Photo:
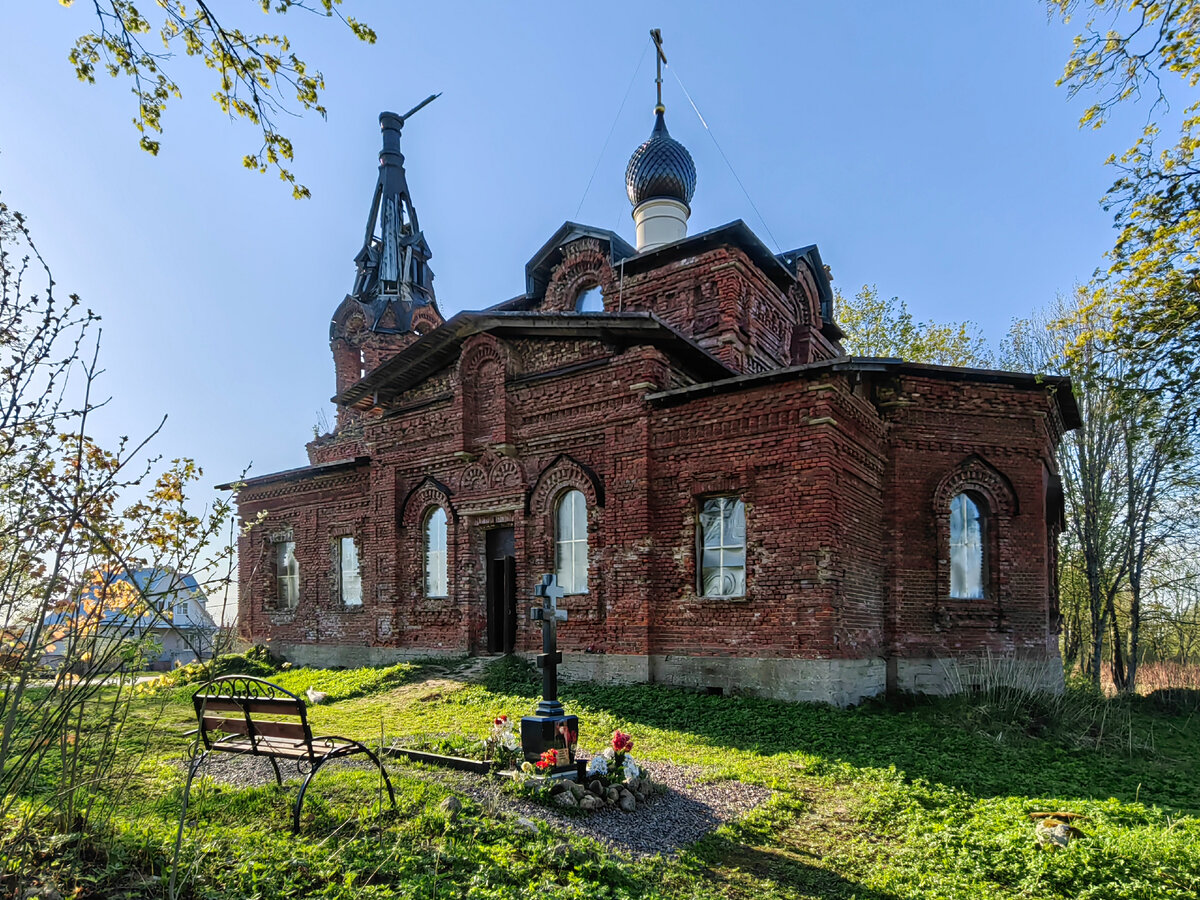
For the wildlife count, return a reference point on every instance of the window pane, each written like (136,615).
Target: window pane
(966,549)
(579,512)
(735,580)
(710,522)
(712,582)
(571,542)
(735,523)
(436,576)
(580,567)
(287,568)
(351,577)
(565,526)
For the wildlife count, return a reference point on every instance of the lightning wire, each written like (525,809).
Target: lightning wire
(732,171)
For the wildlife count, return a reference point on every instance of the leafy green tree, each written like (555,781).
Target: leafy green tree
(875,326)
(255,71)
(1129,479)
(1122,55)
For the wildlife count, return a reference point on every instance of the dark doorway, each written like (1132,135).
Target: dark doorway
(501,591)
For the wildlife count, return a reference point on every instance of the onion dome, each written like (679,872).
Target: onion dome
(661,167)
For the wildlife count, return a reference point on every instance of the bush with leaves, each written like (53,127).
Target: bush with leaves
(71,543)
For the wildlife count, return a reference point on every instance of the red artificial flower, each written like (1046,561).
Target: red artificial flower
(549,759)
(621,742)
(500,720)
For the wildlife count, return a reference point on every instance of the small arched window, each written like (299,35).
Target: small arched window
(590,300)
(435,554)
(571,542)
(966,548)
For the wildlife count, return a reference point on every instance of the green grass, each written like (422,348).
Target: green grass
(920,799)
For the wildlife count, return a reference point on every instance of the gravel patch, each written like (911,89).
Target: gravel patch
(244,770)
(683,810)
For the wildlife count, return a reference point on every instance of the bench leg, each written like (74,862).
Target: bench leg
(193,768)
(275,766)
(300,797)
(387,781)
(308,780)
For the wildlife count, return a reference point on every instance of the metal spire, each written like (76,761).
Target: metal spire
(393,264)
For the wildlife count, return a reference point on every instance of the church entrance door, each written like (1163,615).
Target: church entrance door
(501,591)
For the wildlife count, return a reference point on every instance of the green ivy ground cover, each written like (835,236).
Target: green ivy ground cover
(920,800)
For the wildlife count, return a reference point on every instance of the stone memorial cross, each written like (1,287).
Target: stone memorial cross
(550,615)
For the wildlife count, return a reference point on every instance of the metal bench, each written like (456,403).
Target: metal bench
(240,714)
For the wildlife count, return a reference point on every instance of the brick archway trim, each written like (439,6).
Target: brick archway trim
(977,474)
(427,492)
(564,470)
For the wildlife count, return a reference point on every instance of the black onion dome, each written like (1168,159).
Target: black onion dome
(661,167)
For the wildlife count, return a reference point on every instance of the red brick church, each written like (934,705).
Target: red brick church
(672,428)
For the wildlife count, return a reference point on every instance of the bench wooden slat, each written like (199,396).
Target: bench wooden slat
(283,749)
(280,706)
(262,727)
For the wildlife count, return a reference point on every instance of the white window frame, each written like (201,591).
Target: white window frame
(437,557)
(287,584)
(723,546)
(570,543)
(349,572)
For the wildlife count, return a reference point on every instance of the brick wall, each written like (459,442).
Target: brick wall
(846,477)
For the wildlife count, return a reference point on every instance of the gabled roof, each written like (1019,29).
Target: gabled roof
(737,233)
(538,269)
(162,588)
(440,347)
(1063,395)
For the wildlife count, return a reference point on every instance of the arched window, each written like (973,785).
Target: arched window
(571,542)
(966,548)
(435,554)
(590,300)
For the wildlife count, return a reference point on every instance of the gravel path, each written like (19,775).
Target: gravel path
(670,819)
(683,810)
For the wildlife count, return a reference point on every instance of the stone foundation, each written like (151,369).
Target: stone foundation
(945,676)
(841,682)
(351,656)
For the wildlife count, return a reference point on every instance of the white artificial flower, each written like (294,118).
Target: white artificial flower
(598,765)
(631,768)
(511,742)
(608,753)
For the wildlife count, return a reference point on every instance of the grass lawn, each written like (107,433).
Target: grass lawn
(924,799)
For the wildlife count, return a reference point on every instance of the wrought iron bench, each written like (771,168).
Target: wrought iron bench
(240,714)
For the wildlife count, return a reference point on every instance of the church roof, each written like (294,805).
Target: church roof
(783,269)
(298,474)
(440,347)
(660,167)
(1064,397)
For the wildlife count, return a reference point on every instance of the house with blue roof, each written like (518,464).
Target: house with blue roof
(172,610)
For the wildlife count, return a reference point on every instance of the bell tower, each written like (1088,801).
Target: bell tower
(392,301)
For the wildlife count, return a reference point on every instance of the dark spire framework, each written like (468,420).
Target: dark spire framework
(393,265)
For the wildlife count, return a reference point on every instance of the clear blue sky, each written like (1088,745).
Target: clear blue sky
(923,146)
